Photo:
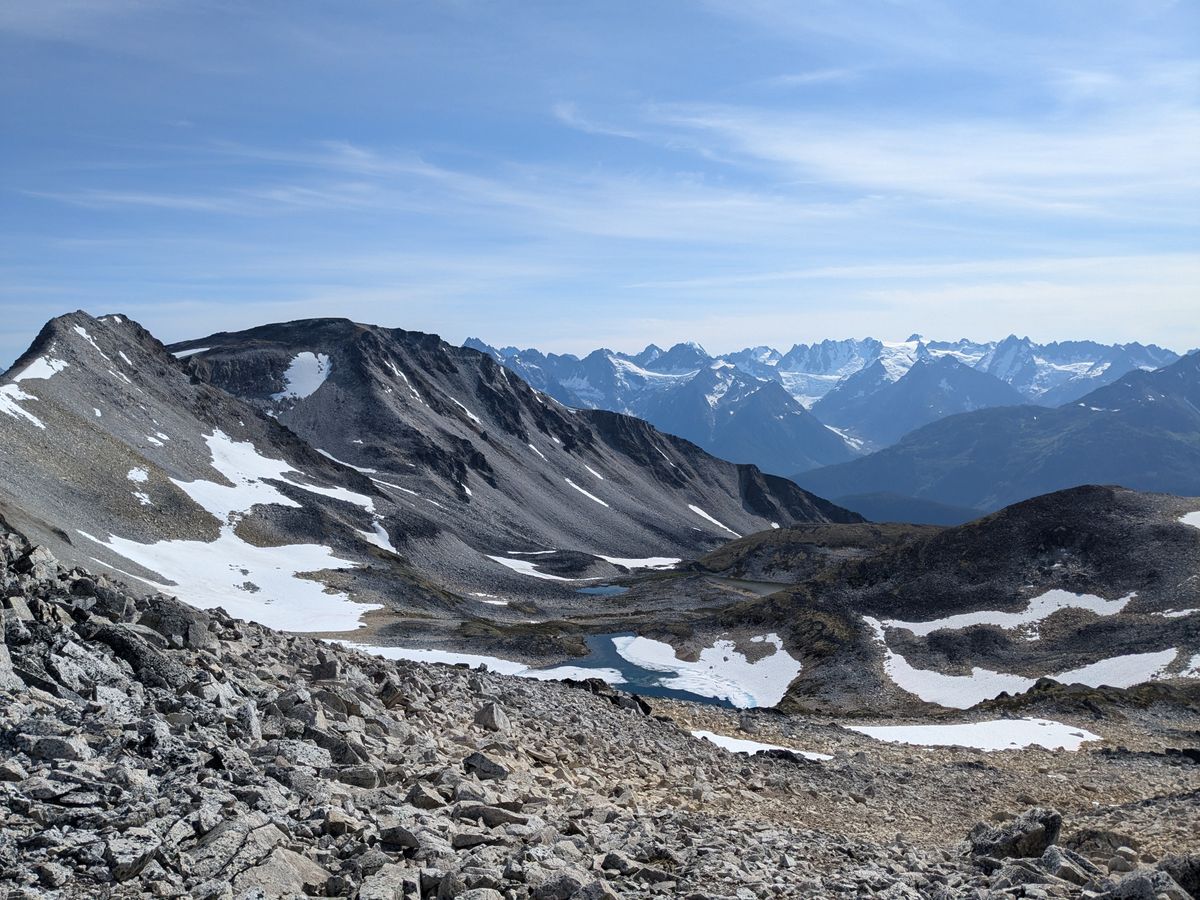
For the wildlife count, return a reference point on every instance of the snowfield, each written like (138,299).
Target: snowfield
(964,691)
(990,736)
(721,672)
(305,374)
(1038,610)
(739,745)
(525,567)
(494,663)
(702,514)
(264,584)
(650,562)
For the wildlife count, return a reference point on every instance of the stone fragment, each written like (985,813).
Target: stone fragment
(129,853)
(485,768)
(492,717)
(1028,835)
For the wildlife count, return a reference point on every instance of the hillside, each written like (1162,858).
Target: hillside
(367,472)
(151,749)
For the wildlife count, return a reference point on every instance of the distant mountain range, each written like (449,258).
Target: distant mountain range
(1141,431)
(846,397)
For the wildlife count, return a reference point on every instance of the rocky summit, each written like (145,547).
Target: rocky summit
(152,749)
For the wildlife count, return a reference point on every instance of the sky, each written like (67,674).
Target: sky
(584,174)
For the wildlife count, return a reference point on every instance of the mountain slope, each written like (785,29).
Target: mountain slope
(1094,585)
(879,410)
(114,453)
(1142,431)
(509,468)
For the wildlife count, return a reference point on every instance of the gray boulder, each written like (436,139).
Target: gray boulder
(1026,836)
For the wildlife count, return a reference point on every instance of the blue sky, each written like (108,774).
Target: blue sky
(568,175)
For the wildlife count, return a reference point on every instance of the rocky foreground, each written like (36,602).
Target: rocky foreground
(150,749)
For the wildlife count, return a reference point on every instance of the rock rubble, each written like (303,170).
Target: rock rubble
(148,749)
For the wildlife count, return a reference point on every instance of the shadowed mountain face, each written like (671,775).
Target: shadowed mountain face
(1142,431)
(353,462)
(512,468)
(878,411)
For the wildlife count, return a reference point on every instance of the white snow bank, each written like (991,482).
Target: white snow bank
(83,333)
(241,463)
(249,582)
(137,474)
(990,736)
(525,567)
(1120,671)
(10,397)
(964,691)
(702,514)
(721,672)
(306,372)
(594,472)
(379,537)
(538,452)
(494,663)
(41,368)
(342,462)
(1192,518)
(738,745)
(590,496)
(1037,610)
(185,353)
(470,415)
(649,562)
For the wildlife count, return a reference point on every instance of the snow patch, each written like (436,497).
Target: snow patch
(989,736)
(702,514)
(1036,611)
(257,583)
(379,537)
(10,397)
(587,494)
(525,567)
(137,474)
(494,663)
(304,375)
(594,472)
(470,415)
(341,462)
(182,354)
(539,453)
(649,562)
(721,672)
(41,368)
(964,691)
(739,745)
(82,332)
